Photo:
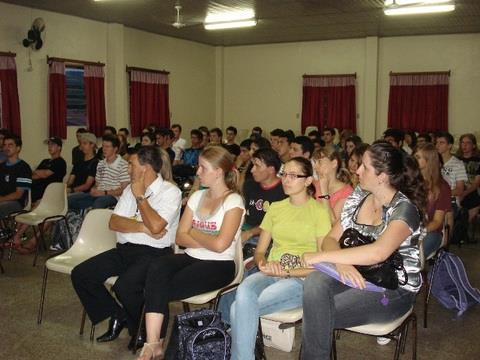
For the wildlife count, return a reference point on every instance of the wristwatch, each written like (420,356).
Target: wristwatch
(140,198)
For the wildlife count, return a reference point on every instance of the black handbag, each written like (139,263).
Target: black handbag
(383,274)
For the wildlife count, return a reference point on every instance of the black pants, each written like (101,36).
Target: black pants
(181,276)
(130,263)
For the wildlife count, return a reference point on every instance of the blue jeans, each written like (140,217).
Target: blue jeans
(259,295)
(431,243)
(81,201)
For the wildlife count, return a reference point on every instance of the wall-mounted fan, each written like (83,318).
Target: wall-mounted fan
(34,38)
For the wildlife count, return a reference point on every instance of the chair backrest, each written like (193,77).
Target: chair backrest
(28,205)
(95,235)
(54,200)
(239,266)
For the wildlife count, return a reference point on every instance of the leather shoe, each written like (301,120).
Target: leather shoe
(141,340)
(115,327)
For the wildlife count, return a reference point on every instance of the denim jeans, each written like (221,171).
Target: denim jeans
(259,295)
(81,201)
(328,304)
(431,243)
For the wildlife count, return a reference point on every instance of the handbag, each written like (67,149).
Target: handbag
(383,274)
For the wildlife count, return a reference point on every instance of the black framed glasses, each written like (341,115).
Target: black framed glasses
(290,176)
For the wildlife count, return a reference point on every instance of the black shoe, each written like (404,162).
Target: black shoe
(115,327)
(141,340)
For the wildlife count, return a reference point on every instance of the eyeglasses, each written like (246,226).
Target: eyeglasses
(290,176)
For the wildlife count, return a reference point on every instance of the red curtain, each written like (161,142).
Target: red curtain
(9,104)
(93,77)
(419,102)
(148,100)
(329,100)
(57,94)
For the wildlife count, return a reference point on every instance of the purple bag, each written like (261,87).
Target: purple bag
(450,285)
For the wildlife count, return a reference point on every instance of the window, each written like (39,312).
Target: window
(76,102)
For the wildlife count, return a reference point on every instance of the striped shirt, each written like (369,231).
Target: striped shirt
(111,176)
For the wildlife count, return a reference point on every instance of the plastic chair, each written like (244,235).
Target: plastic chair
(52,207)
(396,330)
(94,238)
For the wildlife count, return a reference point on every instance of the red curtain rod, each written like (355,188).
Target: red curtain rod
(7,53)
(81,62)
(330,75)
(133,68)
(421,73)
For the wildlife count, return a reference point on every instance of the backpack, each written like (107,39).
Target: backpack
(60,235)
(451,286)
(199,335)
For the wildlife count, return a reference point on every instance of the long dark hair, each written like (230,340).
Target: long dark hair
(307,170)
(402,171)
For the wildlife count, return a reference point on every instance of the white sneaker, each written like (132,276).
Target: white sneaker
(383,340)
(56,247)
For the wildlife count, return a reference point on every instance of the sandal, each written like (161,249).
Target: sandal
(152,347)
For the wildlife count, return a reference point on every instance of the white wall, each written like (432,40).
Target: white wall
(191,66)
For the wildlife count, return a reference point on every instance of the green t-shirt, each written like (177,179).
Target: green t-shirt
(295,229)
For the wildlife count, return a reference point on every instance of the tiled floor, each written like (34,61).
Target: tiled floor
(447,337)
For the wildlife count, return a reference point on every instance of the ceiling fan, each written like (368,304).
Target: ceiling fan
(178,23)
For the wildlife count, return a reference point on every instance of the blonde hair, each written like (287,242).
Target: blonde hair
(166,170)
(342,174)
(220,158)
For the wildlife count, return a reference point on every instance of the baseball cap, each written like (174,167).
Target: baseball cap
(88,136)
(55,140)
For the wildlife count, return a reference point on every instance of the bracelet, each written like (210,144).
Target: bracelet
(326,197)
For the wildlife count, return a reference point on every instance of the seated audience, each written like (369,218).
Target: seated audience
(409,142)
(209,230)
(295,225)
(107,131)
(274,137)
(145,221)
(230,144)
(148,139)
(216,136)
(48,171)
(283,145)
(125,133)
(243,159)
(395,137)
(256,132)
(179,144)
(388,206)
(206,135)
(423,138)
(328,136)
(164,138)
(301,146)
(191,155)
(438,199)
(77,153)
(334,184)
(351,143)
(110,179)
(82,177)
(354,162)
(15,177)
(469,154)
(3,156)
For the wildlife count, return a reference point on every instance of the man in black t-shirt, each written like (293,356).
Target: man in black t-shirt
(15,178)
(82,177)
(49,170)
(260,192)
(77,154)
(230,145)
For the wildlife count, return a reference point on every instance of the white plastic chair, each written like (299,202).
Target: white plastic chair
(52,207)
(94,238)
(396,330)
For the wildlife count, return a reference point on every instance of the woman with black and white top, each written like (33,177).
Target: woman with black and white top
(388,206)
(209,229)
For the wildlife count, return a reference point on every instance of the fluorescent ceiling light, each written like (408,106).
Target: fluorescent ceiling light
(230,24)
(229,15)
(426,9)
(411,2)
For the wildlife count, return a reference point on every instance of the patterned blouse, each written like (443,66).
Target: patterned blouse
(400,208)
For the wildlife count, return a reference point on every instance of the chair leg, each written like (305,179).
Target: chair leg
(259,345)
(42,296)
(37,247)
(68,232)
(92,333)
(2,270)
(140,325)
(429,291)
(82,323)
(333,352)
(414,336)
